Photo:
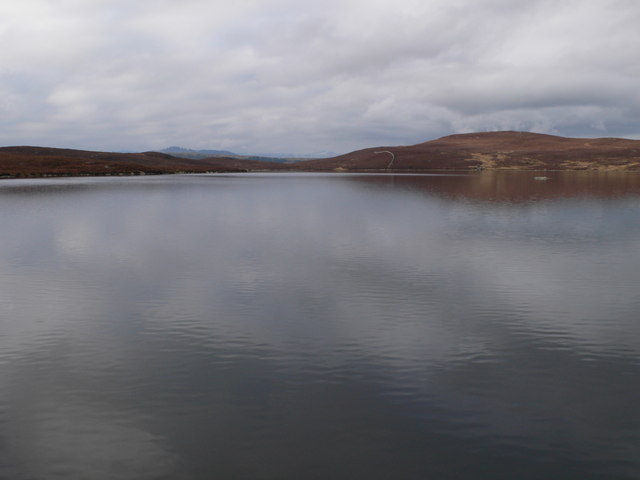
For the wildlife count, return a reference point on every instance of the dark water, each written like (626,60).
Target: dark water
(320,327)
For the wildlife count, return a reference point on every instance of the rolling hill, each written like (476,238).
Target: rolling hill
(491,150)
(43,161)
(506,150)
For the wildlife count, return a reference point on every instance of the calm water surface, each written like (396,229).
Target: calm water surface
(305,326)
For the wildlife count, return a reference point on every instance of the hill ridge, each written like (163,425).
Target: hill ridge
(30,161)
(493,150)
(500,150)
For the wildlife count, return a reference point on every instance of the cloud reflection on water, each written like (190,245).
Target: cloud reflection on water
(509,316)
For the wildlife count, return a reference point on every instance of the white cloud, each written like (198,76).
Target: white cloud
(259,75)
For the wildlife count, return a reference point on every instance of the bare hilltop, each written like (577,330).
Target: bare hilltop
(492,150)
(507,150)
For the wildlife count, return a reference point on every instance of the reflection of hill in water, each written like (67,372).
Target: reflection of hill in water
(515,186)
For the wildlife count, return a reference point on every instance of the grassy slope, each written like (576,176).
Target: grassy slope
(490,150)
(493,150)
(41,161)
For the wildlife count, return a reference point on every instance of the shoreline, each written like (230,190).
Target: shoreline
(26,176)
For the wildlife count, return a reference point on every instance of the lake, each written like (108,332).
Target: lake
(321,326)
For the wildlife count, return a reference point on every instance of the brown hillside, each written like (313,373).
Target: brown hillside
(41,161)
(473,151)
(492,150)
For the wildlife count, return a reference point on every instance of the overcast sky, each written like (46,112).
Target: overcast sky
(301,77)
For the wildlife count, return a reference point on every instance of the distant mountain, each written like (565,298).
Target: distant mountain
(202,154)
(491,150)
(178,151)
(265,157)
(301,156)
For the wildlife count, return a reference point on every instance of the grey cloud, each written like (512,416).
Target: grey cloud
(257,75)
